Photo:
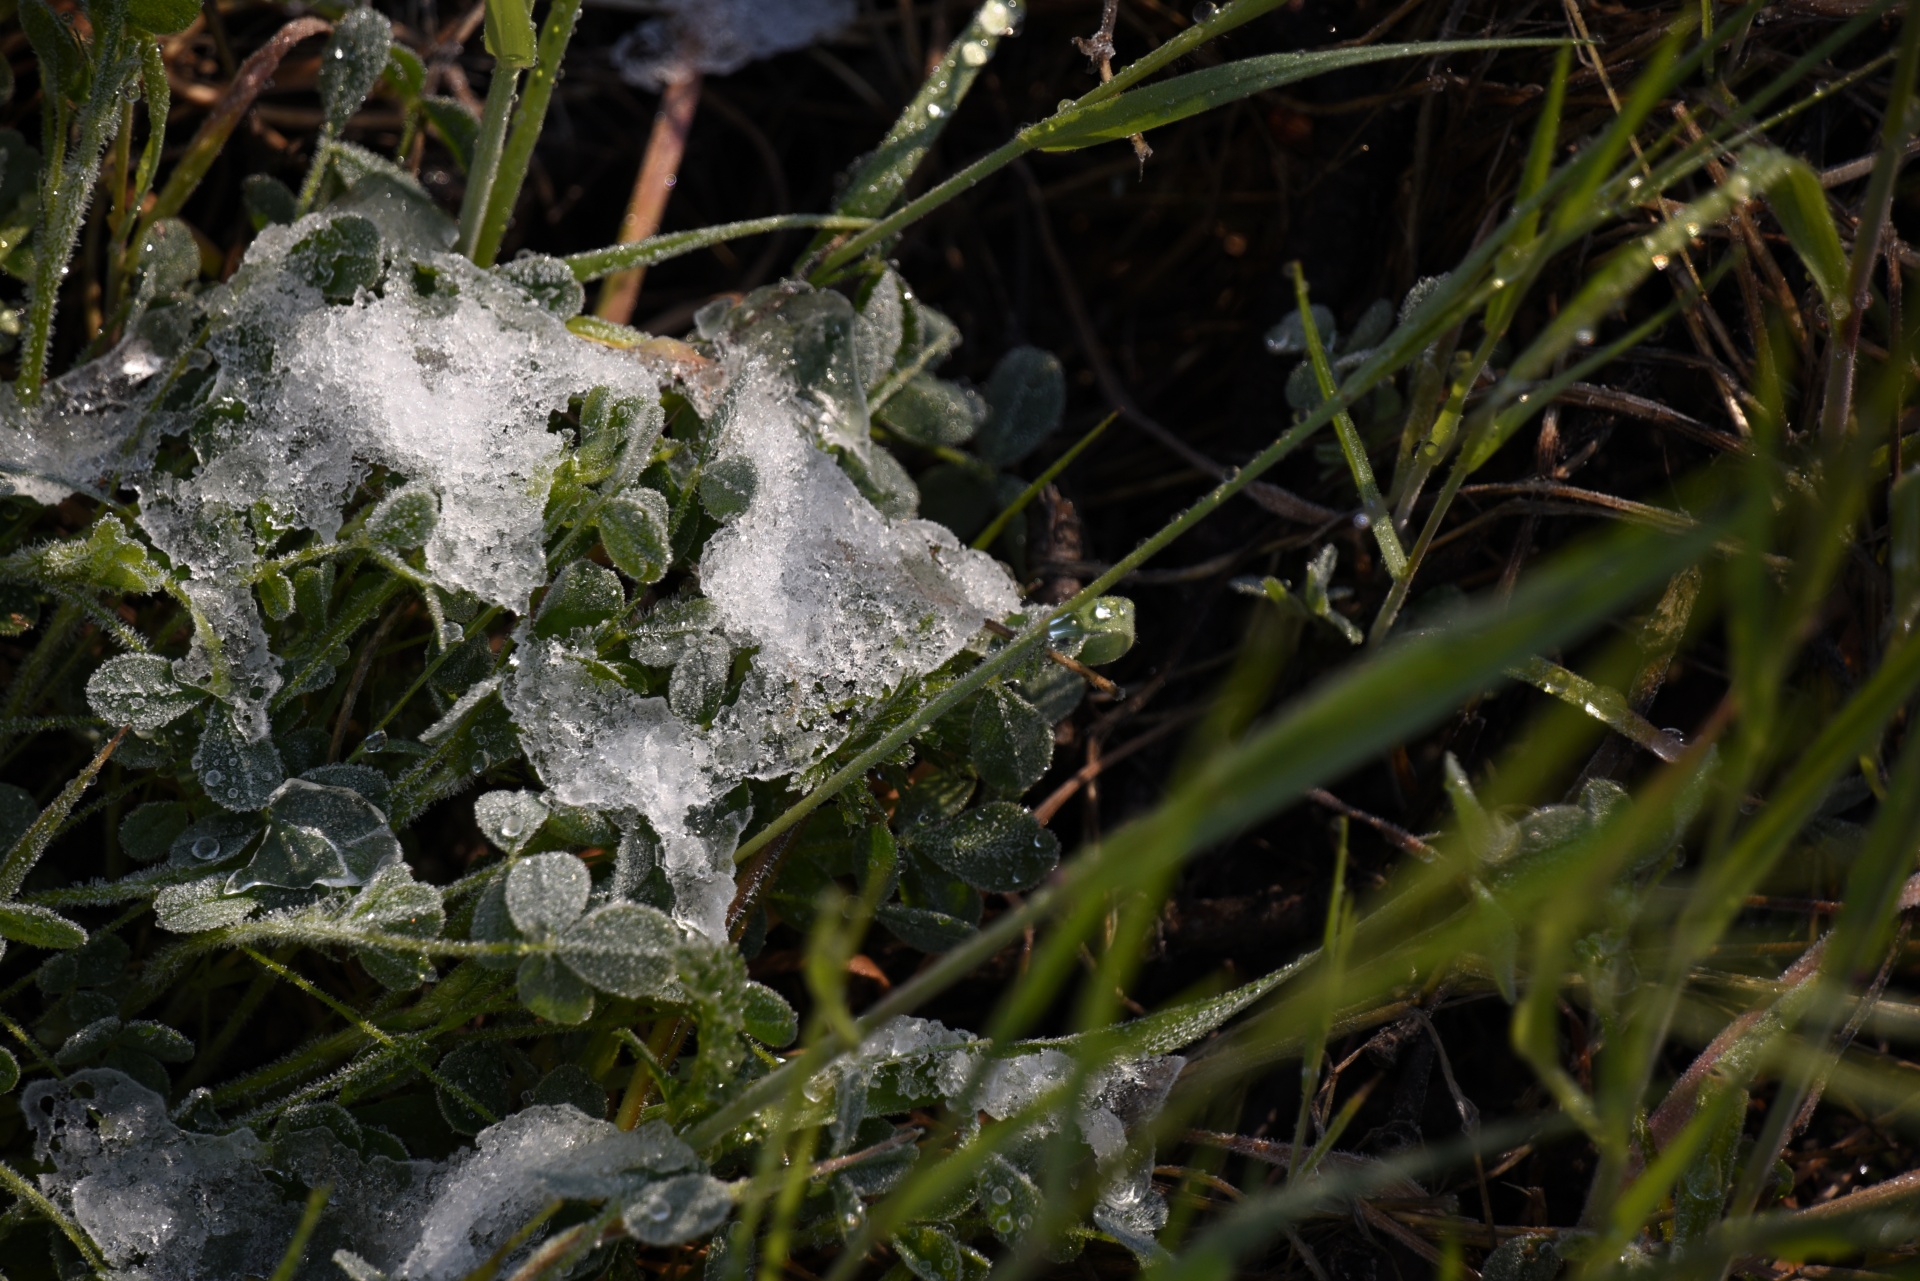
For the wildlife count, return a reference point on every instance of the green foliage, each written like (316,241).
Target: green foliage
(678,739)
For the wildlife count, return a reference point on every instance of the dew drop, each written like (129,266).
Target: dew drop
(935,110)
(974,53)
(658,1210)
(999,1194)
(1660,262)
(1362,521)
(1065,104)
(1205,12)
(137,702)
(233,793)
(1584,337)
(1633,184)
(212,777)
(511,826)
(206,849)
(374,742)
(1026,1221)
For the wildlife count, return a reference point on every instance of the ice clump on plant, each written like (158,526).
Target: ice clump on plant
(928,1058)
(169,1204)
(717,37)
(841,603)
(837,595)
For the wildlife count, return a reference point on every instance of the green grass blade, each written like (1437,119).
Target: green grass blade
(595,264)
(880,179)
(528,121)
(1086,124)
(986,536)
(1379,519)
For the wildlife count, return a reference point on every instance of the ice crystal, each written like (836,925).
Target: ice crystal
(721,36)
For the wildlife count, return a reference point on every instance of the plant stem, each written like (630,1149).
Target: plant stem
(65,191)
(527,123)
(486,155)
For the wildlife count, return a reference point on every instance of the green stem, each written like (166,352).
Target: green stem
(527,123)
(596,264)
(64,194)
(20,1187)
(986,536)
(1351,445)
(486,156)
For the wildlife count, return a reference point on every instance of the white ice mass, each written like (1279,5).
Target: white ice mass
(450,377)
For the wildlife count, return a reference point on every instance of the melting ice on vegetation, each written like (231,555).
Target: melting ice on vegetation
(447,376)
(718,37)
(165,1203)
(920,1057)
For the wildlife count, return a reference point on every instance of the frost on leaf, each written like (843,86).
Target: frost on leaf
(319,835)
(165,1203)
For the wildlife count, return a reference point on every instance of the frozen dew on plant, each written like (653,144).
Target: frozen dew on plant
(718,37)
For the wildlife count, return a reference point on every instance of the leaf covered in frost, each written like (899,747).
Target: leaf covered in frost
(623,948)
(404,519)
(546,893)
(106,558)
(38,926)
(700,678)
(351,64)
(139,690)
(1012,743)
(998,847)
(236,773)
(633,529)
(548,282)
(585,594)
(552,991)
(339,258)
(319,835)
(510,819)
(934,412)
(676,1210)
(1026,396)
(770,1020)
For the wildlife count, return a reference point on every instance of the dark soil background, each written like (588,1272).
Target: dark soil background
(1170,274)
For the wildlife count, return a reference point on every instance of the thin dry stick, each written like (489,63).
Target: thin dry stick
(1099,50)
(1073,665)
(659,169)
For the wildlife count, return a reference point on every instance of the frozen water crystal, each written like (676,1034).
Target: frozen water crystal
(721,36)
(168,1204)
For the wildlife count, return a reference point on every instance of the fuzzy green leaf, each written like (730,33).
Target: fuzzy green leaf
(351,64)
(546,893)
(623,948)
(1012,743)
(139,690)
(633,529)
(1026,399)
(997,847)
(39,927)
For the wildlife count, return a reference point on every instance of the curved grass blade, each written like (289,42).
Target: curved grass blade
(595,264)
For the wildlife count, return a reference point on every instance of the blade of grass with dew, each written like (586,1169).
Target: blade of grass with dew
(984,539)
(1079,126)
(1379,520)
(596,264)
(882,176)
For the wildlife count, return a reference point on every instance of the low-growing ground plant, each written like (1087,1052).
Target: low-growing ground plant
(553,717)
